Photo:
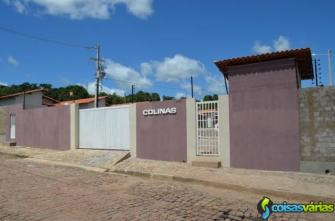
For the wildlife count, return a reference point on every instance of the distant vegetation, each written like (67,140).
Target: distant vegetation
(73,92)
(61,94)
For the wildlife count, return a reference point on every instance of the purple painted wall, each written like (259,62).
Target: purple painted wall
(162,137)
(264,116)
(46,127)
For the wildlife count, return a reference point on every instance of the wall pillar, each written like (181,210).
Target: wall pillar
(74,126)
(132,126)
(224,134)
(191,129)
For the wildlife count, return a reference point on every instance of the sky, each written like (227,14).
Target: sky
(156,45)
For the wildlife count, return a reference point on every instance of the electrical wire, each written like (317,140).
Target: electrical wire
(53,41)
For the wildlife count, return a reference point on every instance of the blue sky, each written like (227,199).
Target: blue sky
(155,44)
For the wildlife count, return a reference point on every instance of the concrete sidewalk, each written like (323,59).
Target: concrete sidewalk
(289,185)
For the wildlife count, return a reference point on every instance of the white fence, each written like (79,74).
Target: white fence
(207,128)
(105,128)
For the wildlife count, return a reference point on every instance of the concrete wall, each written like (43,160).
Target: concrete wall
(74,126)
(191,130)
(46,127)
(2,125)
(264,116)
(162,137)
(224,131)
(317,129)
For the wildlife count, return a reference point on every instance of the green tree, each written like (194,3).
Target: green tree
(208,98)
(71,92)
(211,97)
(155,97)
(167,98)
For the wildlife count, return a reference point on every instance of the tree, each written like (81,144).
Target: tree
(155,97)
(211,97)
(72,92)
(26,86)
(114,99)
(208,98)
(167,98)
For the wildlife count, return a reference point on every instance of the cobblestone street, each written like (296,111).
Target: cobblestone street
(32,191)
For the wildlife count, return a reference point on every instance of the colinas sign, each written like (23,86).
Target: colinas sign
(160,111)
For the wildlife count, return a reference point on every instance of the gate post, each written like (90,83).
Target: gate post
(191,129)
(133,130)
(224,134)
(74,126)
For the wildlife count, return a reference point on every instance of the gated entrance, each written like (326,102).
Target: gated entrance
(104,128)
(207,115)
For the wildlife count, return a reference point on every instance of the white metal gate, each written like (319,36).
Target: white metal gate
(207,113)
(104,128)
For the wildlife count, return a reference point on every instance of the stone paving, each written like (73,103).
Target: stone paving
(85,157)
(303,185)
(33,191)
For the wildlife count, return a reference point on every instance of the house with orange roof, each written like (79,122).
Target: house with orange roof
(86,102)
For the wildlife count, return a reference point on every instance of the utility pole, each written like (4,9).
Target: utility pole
(316,72)
(330,71)
(97,76)
(192,86)
(99,73)
(24,98)
(132,93)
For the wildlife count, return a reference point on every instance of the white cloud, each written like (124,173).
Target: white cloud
(177,68)
(196,88)
(91,89)
(3,83)
(124,76)
(18,5)
(139,8)
(180,95)
(79,9)
(216,85)
(261,49)
(281,44)
(12,61)
(146,68)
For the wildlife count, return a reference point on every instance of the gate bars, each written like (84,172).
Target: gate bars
(207,117)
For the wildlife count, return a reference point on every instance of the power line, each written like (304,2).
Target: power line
(53,41)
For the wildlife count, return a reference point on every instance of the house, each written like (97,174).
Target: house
(28,99)
(86,102)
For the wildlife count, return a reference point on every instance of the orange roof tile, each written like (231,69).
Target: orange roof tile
(302,56)
(81,101)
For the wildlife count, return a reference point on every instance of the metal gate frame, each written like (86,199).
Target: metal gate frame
(104,139)
(207,125)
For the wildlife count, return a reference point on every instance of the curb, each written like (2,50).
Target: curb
(14,154)
(58,163)
(261,191)
(55,163)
